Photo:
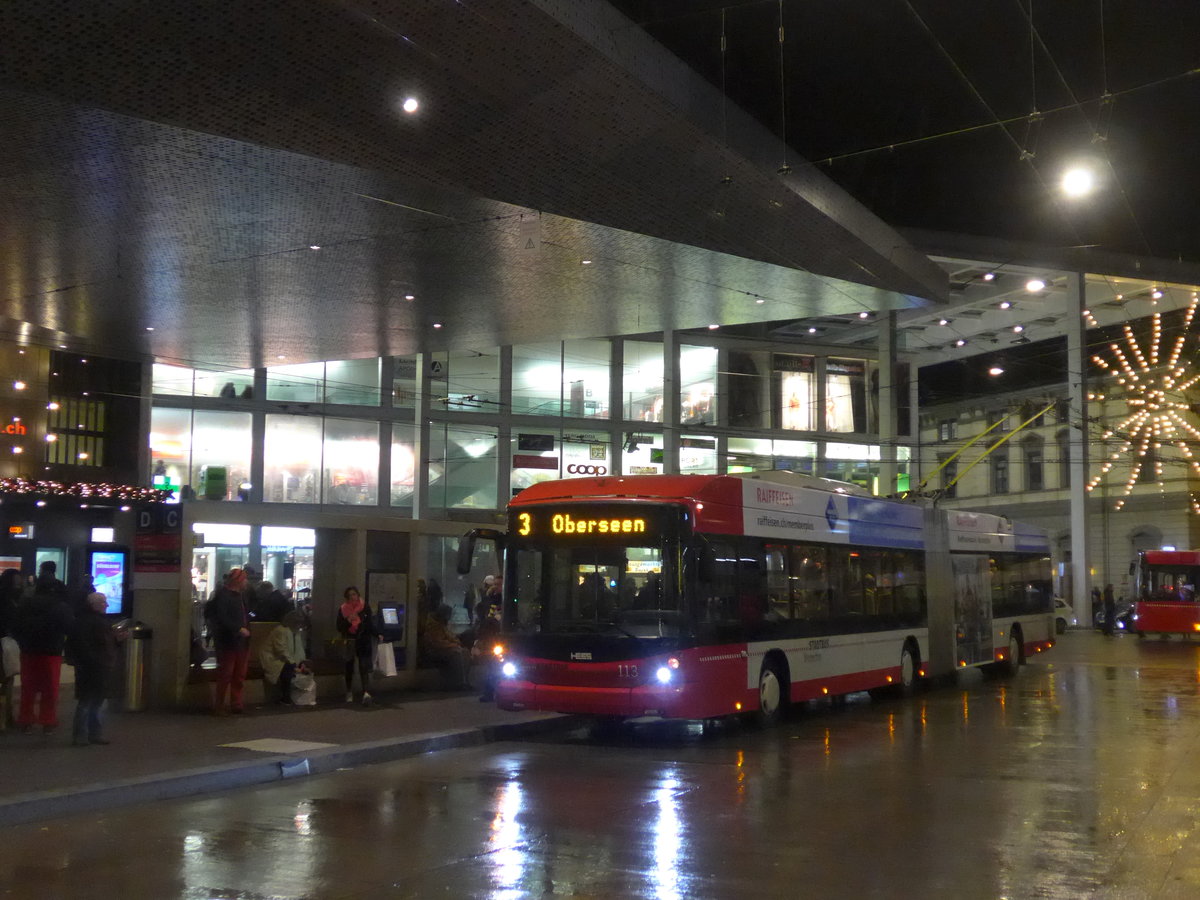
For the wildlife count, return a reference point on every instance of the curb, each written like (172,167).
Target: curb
(26,808)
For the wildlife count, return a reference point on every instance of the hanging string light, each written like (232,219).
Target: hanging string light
(1158,417)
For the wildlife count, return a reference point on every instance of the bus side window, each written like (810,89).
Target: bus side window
(717,597)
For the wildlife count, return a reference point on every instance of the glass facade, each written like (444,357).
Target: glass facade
(327,457)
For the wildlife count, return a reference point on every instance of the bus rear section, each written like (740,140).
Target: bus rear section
(1165,592)
(1003,592)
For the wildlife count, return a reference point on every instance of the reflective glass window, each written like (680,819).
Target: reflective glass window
(234,384)
(170,447)
(856,463)
(172,381)
(467,458)
(537,379)
(404,382)
(642,381)
(796,398)
(749,389)
(351,462)
(404,464)
(642,454)
(697,455)
(220,441)
(466,380)
(846,395)
(292,459)
(698,385)
(352,381)
(299,383)
(586,364)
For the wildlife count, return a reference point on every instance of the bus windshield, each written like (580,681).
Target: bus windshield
(588,588)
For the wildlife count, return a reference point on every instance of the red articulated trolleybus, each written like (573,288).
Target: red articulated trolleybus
(698,596)
(1164,588)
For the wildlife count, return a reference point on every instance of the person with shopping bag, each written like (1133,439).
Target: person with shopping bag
(356,625)
(282,656)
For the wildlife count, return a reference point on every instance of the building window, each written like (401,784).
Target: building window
(999,473)
(797,388)
(75,432)
(846,395)
(1035,479)
(947,429)
(642,381)
(1064,459)
(949,473)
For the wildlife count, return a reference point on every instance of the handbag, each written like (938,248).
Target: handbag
(10,658)
(385,659)
(304,690)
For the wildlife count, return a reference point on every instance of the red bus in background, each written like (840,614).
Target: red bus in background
(1164,585)
(697,596)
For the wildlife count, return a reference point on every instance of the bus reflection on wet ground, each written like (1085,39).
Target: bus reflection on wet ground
(1075,779)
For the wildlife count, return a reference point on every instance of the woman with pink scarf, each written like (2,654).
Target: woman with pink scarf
(356,624)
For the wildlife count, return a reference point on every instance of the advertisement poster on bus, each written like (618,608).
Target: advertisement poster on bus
(972,608)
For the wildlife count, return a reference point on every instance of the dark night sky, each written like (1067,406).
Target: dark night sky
(864,75)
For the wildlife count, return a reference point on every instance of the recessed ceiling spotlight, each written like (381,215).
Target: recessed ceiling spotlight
(989,276)
(1120,296)
(1018,328)
(149,327)
(961,342)
(314,246)
(1078,182)
(996,370)
(1033,285)
(17,449)
(410,105)
(713,327)
(18,385)
(943,321)
(1087,312)
(760,300)
(1156,294)
(437,324)
(52,405)
(281,356)
(1005,304)
(585,262)
(812,329)
(410,297)
(864,315)
(41,503)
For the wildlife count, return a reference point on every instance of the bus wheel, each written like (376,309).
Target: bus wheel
(909,667)
(1013,662)
(772,693)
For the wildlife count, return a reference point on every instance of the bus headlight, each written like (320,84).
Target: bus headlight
(498,651)
(663,675)
(509,670)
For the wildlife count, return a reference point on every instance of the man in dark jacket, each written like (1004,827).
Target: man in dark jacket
(41,626)
(230,623)
(93,650)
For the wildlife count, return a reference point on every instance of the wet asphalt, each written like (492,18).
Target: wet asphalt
(1079,778)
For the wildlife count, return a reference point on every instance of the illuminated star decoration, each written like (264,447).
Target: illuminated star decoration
(1157,413)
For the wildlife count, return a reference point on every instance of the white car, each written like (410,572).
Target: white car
(1064,615)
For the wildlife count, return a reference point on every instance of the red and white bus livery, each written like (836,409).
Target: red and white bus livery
(1164,586)
(696,596)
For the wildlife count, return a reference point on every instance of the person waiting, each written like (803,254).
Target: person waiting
(282,656)
(442,648)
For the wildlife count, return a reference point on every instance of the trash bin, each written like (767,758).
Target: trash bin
(137,658)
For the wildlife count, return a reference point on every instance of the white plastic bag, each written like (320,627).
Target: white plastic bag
(385,660)
(10,658)
(304,690)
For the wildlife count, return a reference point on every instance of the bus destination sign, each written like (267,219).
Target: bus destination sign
(586,522)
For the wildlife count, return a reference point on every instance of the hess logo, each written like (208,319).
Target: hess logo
(577,469)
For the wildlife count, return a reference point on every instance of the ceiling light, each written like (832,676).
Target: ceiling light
(410,105)
(760,300)
(281,356)
(1033,285)
(995,370)
(17,449)
(314,246)
(943,321)
(149,328)
(437,324)
(713,327)
(410,297)
(1018,328)
(961,342)
(1156,294)
(18,385)
(989,276)
(585,262)
(812,330)
(51,438)
(62,346)
(41,503)
(1005,304)
(864,315)
(83,456)
(52,405)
